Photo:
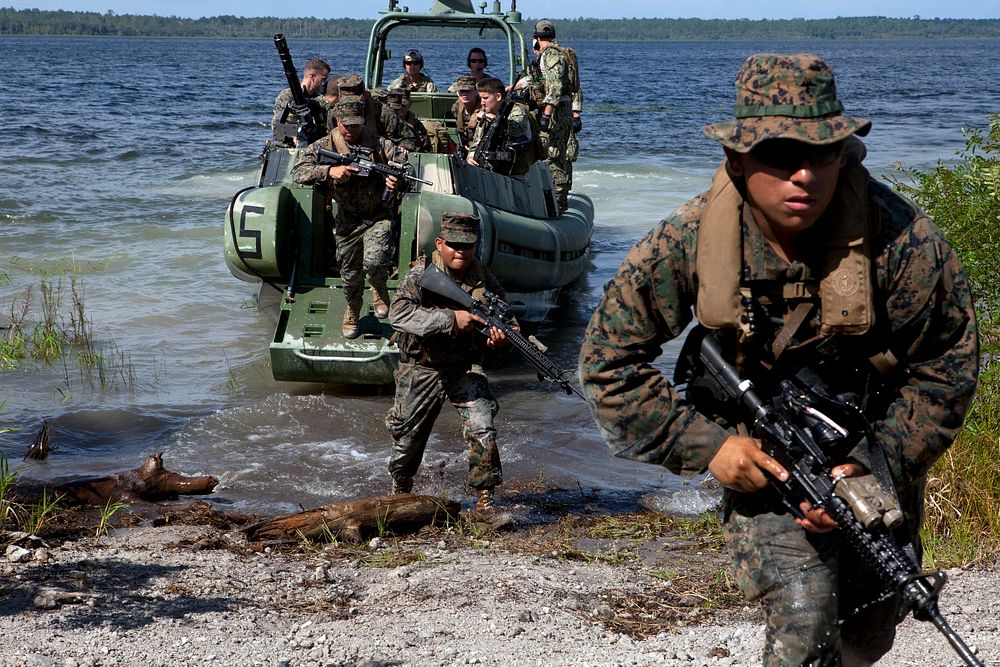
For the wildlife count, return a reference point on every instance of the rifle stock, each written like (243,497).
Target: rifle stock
(791,432)
(496,313)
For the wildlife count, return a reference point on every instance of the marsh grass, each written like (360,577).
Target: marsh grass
(67,338)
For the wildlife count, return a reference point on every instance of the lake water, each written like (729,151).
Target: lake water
(120,157)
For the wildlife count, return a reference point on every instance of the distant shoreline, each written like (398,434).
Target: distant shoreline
(66,23)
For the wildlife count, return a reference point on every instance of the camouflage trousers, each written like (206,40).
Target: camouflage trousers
(555,144)
(810,587)
(362,249)
(420,393)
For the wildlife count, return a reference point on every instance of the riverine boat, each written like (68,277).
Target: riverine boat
(276,232)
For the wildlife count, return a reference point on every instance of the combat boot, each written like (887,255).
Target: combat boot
(484,502)
(380,301)
(349,327)
(402,485)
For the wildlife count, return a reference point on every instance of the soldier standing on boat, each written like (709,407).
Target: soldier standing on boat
(313,75)
(362,226)
(352,87)
(465,107)
(555,114)
(441,350)
(520,138)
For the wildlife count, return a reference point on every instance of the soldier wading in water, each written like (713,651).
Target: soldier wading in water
(441,350)
(796,258)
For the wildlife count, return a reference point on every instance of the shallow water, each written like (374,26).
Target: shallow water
(121,156)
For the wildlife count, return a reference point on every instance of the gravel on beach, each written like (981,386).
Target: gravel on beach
(182,595)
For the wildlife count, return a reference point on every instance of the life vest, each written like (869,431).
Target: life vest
(845,291)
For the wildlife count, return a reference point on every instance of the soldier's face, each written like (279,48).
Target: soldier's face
(468,97)
(312,82)
(490,101)
(457,256)
(351,132)
(786,199)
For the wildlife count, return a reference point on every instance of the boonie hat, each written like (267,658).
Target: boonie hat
(351,84)
(397,97)
(786,97)
(413,56)
(545,29)
(465,82)
(459,227)
(349,112)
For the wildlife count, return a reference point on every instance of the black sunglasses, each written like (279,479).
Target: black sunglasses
(412,62)
(455,245)
(476,60)
(788,154)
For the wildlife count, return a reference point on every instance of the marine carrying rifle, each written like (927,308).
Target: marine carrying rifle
(496,313)
(361,159)
(310,128)
(797,430)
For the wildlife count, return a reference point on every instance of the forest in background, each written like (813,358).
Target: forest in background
(44,22)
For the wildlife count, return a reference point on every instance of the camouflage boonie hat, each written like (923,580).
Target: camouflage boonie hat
(396,96)
(351,84)
(459,227)
(349,112)
(786,97)
(545,29)
(465,82)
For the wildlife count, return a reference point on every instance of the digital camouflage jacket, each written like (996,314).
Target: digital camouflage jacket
(926,318)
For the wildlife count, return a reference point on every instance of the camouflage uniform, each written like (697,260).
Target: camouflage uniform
(282,100)
(925,315)
(465,121)
(423,84)
(402,127)
(519,138)
(362,225)
(437,362)
(554,71)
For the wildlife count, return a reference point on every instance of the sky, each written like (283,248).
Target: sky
(705,9)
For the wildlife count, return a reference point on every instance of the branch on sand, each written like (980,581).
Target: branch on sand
(150,482)
(357,520)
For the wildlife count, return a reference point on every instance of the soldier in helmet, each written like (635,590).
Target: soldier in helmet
(362,226)
(796,258)
(413,77)
(441,350)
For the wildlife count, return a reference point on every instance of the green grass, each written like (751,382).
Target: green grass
(962,524)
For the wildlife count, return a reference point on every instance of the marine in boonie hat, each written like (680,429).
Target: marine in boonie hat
(351,84)
(397,98)
(349,112)
(459,227)
(786,97)
(465,82)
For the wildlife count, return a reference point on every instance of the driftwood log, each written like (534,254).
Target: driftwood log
(358,520)
(150,482)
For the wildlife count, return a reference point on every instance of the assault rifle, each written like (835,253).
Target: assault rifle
(496,313)
(361,159)
(491,152)
(310,128)
(798,429)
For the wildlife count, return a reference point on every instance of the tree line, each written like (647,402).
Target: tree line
(44,22)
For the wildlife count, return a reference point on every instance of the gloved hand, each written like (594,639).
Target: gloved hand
(543,123)
(577,124)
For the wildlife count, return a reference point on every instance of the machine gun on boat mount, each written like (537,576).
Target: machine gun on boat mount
(310,127)
(496,313)
(798,428)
